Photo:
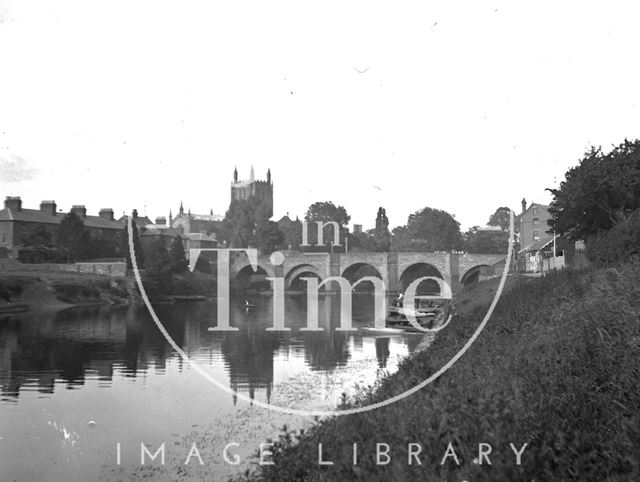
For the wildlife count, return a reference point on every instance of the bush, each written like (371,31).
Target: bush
(74,293)
(9,291)
(618,244)
(556,367)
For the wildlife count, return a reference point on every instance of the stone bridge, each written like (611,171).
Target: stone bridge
(397,270)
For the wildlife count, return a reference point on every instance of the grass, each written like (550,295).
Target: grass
(557,367)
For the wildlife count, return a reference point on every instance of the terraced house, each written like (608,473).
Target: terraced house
(18,224)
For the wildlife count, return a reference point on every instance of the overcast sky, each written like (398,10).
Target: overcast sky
(462,106)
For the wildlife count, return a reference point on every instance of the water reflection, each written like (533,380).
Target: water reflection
(43,352)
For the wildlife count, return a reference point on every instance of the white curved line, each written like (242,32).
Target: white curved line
(324,413)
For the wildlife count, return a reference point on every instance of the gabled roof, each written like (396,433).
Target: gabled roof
(535,205)
(140,221)
(285,220)
(42,217)
(538,245)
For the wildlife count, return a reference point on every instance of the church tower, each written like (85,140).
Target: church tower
(259,190)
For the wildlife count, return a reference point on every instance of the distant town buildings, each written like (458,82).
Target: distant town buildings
(18,224)
(197,231)
(187,223)
(532,223)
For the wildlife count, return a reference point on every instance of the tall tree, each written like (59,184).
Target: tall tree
(241,222)
(72,237)
(429,230)
(381,234)
(39,242)
(292,235)
(38,238)
(602,191)
(362,242)
(177,259)
(157,275)
(326,211)
(482,241)
(500,218)
(268,236)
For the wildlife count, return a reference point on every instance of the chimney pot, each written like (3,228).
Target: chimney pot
(13,202)
(106,213)
(79,210)
(48,207)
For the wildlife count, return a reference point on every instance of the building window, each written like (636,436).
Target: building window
(535,211)
(535,221)
(536,236)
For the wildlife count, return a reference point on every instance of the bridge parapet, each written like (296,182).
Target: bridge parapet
(452,267)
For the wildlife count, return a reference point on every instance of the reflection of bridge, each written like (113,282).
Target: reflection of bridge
(397,270)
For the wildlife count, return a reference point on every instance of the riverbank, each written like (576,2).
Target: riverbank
(555,368)
(47,290)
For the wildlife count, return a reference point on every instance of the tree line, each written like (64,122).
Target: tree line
(246,224)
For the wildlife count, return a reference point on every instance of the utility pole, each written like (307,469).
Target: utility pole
(554,249)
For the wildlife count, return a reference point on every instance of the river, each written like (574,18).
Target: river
(75,383)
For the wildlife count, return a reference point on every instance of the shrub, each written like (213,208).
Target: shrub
(616,245)
(556,367)
(9,291)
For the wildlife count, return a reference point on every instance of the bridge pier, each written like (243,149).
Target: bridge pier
(454,272)
(393,279)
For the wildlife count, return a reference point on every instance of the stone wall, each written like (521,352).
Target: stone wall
(101,269)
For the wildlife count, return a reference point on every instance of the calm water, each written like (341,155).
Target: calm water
(76,382)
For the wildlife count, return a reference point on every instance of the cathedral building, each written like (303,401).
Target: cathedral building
(187,223)
(253,189)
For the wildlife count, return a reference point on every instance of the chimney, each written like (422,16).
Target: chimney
(13,203)
(48,207)
(134,214)
(161,221)
(106,213)
(524,205)
(79,210)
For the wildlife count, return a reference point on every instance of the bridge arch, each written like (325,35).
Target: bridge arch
(359,270)
(418,270)
(476,274)
(293,278)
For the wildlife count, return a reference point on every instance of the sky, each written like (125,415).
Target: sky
(461,106)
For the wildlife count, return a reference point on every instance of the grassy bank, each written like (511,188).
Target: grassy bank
(59,289)
(557,367)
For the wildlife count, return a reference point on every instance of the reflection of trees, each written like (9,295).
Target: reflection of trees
(382,351)
(248,358)
(326,350)
(65,345)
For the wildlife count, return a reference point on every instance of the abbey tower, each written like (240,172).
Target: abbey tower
(253,189)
